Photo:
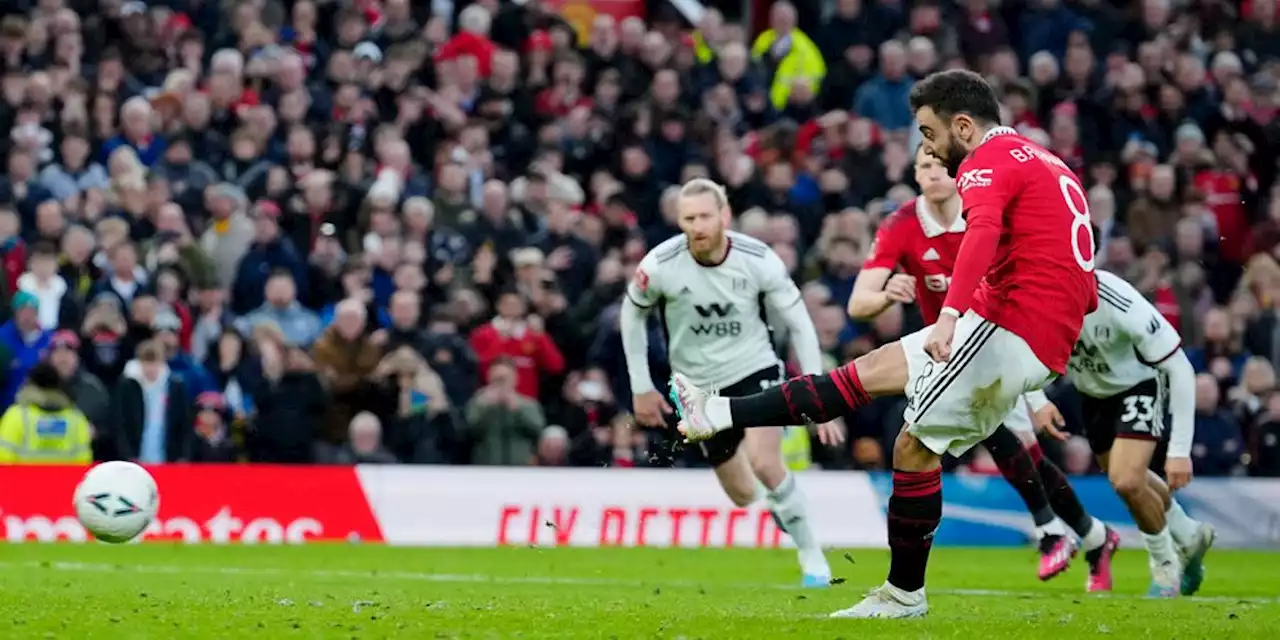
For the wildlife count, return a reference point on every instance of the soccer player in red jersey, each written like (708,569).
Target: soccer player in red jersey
(922,238)
(1018,296)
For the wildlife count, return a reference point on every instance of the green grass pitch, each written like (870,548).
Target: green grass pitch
(351,591)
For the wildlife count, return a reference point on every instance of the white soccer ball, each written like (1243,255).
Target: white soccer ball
(115,501)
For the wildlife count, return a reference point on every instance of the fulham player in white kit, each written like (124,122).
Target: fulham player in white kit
(712,287)
(1022,284)
(1128,366)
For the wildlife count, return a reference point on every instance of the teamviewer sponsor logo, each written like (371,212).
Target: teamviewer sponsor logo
(974,178)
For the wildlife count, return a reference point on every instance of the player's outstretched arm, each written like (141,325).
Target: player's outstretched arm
(1182,406)
(870,297)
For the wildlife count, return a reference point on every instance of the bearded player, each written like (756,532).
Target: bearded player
(1022,285)
(712,288)
(922,238)
(1128,365)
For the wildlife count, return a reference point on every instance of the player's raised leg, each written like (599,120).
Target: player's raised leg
(1126,466)
(786,502)
(810,398)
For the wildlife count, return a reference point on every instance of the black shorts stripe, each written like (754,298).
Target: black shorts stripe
(957,364)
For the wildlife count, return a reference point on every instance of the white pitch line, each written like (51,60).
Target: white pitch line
(467,578)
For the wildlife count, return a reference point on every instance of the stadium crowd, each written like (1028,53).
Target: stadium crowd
(390,231)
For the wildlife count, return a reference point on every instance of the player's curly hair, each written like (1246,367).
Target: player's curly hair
(957,91)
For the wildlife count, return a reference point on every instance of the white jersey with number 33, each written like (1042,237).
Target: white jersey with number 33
(1121,342)
(714,315)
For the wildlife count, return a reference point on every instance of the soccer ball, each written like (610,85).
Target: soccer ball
(115,501)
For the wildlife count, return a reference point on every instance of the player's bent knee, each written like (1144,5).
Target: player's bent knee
(910,454)
(768,466)
(883,371)
(1128,483)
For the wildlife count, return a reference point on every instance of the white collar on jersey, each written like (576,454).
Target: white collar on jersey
(998,131)
(929,222)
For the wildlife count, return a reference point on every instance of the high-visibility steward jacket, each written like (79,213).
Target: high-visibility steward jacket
(795,448)
(44,427)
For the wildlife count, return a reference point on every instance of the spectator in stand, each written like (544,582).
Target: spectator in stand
(22,344)
(230,231)
(883,99)
(136,132)
(123,279)
(472,40)
(346,357)
(504,424)
(233,373)
(41,401)
(553,447)
(152,415)
(517,338)
(85,390)
(1219,446)
(364,444)
(165,328)
(212,440)
(300,325)
(789,54)
(291,404)
(270,253)
(422,425)
(58,306)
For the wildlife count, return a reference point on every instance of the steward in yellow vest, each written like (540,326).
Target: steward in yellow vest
(43,426)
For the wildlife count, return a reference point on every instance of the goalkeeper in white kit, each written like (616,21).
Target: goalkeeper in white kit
(712,288)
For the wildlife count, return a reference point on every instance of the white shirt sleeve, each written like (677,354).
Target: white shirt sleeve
(642,295)
(1182,402)
(783,297)
(1153,337)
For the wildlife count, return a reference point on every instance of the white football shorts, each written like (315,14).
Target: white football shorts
(954,405)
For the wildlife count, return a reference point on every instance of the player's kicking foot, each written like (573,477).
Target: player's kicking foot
(1166,579)
(888,601)
(1193,559)
(1100,563)
(691,408)
(1056,552)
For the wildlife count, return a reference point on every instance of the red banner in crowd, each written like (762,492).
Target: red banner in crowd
(249,504)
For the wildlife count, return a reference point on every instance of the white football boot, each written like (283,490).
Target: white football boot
(888,601)
(691,407)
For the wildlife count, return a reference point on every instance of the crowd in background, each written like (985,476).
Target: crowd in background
(390,231)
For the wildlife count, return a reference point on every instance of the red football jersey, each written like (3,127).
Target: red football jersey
(1041,282)
(913,240)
